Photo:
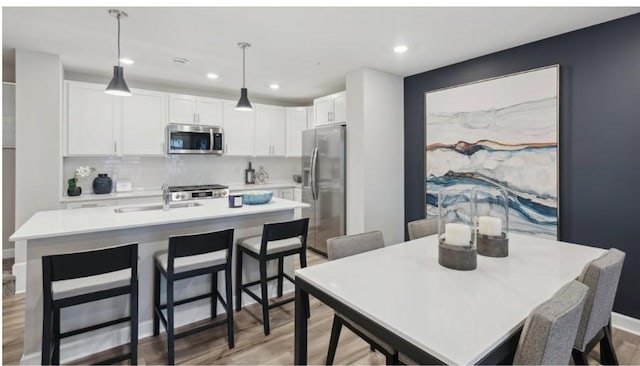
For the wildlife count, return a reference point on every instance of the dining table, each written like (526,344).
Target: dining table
(431,314)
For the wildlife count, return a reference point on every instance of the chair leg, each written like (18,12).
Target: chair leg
(56,337)
(333,341)
(156,300)
(607,350)
(579,358)
(265,297)
(392,359)
(238,280)
(170,325)
(45,357)
(227,286)
(214,295)
(280,276)
(133,342)
(303,264)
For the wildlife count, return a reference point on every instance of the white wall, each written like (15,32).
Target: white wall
(151,172)
(375,155)
(38,115)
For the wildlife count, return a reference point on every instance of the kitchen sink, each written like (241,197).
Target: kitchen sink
(155,207)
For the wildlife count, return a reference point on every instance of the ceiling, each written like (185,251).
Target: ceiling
(307,51)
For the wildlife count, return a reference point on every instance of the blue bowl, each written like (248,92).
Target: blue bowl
(257,197)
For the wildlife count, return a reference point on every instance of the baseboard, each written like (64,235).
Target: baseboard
(20,271)
(626,323)
(8,253)
(91,343)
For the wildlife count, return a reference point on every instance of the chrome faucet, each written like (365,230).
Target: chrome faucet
(166,197)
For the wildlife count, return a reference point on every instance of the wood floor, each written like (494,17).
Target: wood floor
(252,347)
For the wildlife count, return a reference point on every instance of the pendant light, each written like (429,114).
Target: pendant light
(243,102)
(118,86)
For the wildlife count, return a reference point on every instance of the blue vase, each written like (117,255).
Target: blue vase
(102,184)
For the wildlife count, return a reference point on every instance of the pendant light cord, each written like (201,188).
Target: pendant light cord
(118,17)
(243,76)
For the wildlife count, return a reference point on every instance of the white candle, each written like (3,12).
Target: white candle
(488,225)
(457,234)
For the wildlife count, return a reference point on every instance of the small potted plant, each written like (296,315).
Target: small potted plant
(81,172)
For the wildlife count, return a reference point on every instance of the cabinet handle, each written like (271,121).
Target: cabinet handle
(115,147)
(225,149)
(198,117)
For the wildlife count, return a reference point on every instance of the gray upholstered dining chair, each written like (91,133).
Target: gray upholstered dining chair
(421,228)
(601,275)
(550,330)
(345,246)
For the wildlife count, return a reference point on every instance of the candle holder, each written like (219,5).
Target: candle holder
(492,210)
(456,229)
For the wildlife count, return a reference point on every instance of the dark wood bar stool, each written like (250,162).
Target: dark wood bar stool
(83,277)
(190,256)
(278,240)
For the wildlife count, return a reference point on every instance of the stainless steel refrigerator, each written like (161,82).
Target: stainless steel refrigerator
(324,184)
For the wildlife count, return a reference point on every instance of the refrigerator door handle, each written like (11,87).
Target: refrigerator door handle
(314,159)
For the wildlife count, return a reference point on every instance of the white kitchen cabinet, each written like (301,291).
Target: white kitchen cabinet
(297,194)
(286,193)
(311,118)
(92,123)
(143,123)
(189,109)
(296,123)
(239,131)
(330,109)
(270,131)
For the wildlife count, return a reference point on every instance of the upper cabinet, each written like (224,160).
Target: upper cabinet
(330,109)
(144,119)
(189,109)
(92,120)
(238,133)
(270,131)
(297,120)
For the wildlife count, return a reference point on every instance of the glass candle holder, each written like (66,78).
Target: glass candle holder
(492,210)
(457,229)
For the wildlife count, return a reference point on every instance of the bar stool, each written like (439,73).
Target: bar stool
(190,256)
(83,277)
(278,240)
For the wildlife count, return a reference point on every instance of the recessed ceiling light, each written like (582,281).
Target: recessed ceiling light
(127,61)
(212,75)
(400,49)
(274,86)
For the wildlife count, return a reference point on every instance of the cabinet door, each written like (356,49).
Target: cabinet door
(311,118)
(263,130)
(278,131)
(143,124)
(239,130)
(182,109)
(323,107)
(340,108)
(91,120)
(209,112)
(297,194)
(296,123)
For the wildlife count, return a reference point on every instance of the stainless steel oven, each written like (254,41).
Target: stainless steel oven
(194,139)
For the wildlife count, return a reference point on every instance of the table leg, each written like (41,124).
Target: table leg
(300,343)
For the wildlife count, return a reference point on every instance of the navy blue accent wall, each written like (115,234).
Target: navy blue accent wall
(599,135)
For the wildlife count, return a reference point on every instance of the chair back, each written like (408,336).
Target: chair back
(550,330)
(344,246)
(421,228)
(90,263)
(285,230)
(188,245)
(601,276)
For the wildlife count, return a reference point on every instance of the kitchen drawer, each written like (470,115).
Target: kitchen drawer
(89,204)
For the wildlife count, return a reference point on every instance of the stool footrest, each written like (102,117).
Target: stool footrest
(201,328)
(258,281)
(94,327)
(191,299)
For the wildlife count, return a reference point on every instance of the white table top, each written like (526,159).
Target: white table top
(456,316)
(46,224)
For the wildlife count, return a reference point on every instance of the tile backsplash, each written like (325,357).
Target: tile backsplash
(151,172)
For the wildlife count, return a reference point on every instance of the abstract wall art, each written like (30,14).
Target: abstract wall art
(501,133)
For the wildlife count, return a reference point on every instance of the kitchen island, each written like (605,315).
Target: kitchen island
(64,231)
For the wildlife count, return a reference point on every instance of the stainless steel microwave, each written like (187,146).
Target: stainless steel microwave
(194,139)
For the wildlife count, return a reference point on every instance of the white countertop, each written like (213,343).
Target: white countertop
(46,224)
(86,197)
(456,316)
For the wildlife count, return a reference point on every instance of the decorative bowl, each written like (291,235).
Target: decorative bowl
(257,197)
